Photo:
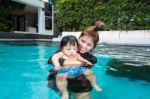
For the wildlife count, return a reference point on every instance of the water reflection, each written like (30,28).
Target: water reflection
(132,62)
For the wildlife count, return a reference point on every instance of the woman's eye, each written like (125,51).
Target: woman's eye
(83,41)
(88,44)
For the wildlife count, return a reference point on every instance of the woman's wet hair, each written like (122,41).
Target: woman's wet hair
(72,40)
(92,31)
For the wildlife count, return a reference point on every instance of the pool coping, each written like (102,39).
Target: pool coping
(12,36)
(41,40)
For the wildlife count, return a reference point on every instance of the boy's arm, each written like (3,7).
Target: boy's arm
(83,60)
(55,60)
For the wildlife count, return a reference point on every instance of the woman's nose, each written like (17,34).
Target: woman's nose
(84,45)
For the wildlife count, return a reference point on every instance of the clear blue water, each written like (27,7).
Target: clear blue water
(24,71)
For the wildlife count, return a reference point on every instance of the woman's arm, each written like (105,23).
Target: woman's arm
(70,63)
(90,58)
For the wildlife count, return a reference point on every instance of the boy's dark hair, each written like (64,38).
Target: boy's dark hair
(72,40)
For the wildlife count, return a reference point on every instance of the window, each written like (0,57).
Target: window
(48,16)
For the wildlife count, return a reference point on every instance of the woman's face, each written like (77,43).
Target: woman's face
(86,44)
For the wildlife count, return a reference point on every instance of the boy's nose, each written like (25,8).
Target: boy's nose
(71,51)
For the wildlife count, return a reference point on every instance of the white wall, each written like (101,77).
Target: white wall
(45,0)
(35,3)
(137,37)
(137,34)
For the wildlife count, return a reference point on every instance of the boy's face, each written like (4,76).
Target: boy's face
(70,50)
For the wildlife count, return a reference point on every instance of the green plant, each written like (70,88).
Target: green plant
(73,15)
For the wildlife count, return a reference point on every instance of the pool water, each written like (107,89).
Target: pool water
(24,71)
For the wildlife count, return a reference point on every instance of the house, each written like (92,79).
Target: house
(36,17)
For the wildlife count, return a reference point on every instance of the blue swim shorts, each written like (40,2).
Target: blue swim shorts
(72,71)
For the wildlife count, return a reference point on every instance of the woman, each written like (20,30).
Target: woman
(80,86)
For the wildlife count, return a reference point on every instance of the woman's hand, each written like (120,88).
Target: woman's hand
(89,63)
(70,63)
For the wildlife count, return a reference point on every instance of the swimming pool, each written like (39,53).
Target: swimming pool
(24,71)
